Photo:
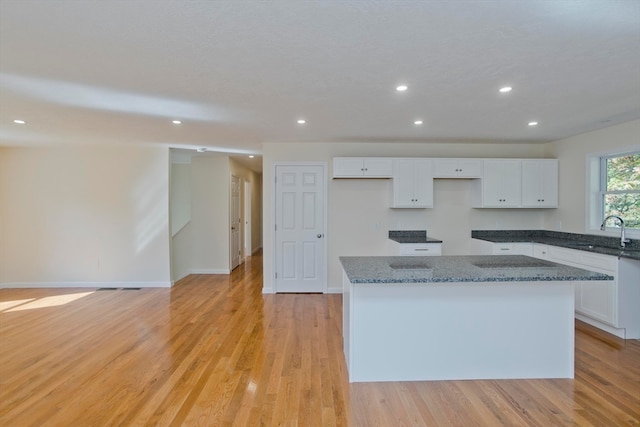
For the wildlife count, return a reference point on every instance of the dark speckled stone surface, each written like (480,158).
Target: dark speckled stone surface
(604,245)
(480,268)
(411,236)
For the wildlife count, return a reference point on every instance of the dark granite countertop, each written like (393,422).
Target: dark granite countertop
(411,236)
(604,245)
(479,268)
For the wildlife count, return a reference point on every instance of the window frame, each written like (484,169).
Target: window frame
(596,181)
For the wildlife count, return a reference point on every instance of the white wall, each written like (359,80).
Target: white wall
(210,180)
(359,216)
(572,153)
(84,216)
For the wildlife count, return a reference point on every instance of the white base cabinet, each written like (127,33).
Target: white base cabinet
(611,305)
(414,249)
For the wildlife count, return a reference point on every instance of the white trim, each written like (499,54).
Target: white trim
(27,285)
(268,291)
(592,207)
(620,333)
(334,290)
(325,166)
(210,271)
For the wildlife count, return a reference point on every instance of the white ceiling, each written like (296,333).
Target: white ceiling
(239,73)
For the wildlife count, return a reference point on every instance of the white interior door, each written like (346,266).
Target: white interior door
(300,253)
(235,222)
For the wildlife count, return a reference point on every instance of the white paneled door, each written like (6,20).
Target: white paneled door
(300,253)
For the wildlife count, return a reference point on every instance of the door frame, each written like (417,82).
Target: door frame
(239,231)
(274,260)
(247,225)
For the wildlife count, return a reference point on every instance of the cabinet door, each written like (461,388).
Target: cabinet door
(457,168)
(469,168)
(445,168)
(596,300)
(403,191)
(348,167)
(412,183)
(540,183)
(549,186)
(501,183)
(423,183)
(378,167)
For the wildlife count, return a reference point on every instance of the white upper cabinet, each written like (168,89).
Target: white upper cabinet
(457,168)
(412,183)
(540,183)
(500,186)
(362,167)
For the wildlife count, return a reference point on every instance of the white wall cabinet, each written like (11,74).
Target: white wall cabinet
(362,167)
(412,183)
(540,183)
(457,168)
(500,186)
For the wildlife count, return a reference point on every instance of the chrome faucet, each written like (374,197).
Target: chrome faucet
(623,241)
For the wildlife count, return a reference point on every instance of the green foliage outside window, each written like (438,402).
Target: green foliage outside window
(621,189)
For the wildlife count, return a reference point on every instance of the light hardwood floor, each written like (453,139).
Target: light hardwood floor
(214,351)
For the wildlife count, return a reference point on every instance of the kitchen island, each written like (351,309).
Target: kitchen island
(459,317)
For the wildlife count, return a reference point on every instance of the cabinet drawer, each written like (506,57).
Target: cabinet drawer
(512,249)
(418,249)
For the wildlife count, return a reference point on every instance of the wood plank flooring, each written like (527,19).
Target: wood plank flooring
(214,351)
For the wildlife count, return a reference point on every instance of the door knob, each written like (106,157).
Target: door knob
(319,236)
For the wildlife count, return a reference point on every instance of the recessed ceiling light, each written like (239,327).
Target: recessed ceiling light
(19,122)
(301,121)
(533,123)
(402,88)
(176,122)
(251,157)
(417,122)
(506,89)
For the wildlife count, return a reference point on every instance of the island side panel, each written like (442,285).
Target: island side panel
(346,317)
(448,331)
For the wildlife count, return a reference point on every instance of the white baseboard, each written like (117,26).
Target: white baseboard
(27,285)
(334,290)
(210,271)
(620,333)
(268,291)
(256,250)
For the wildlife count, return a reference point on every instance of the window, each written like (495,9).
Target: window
(615,190)
(620,188)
